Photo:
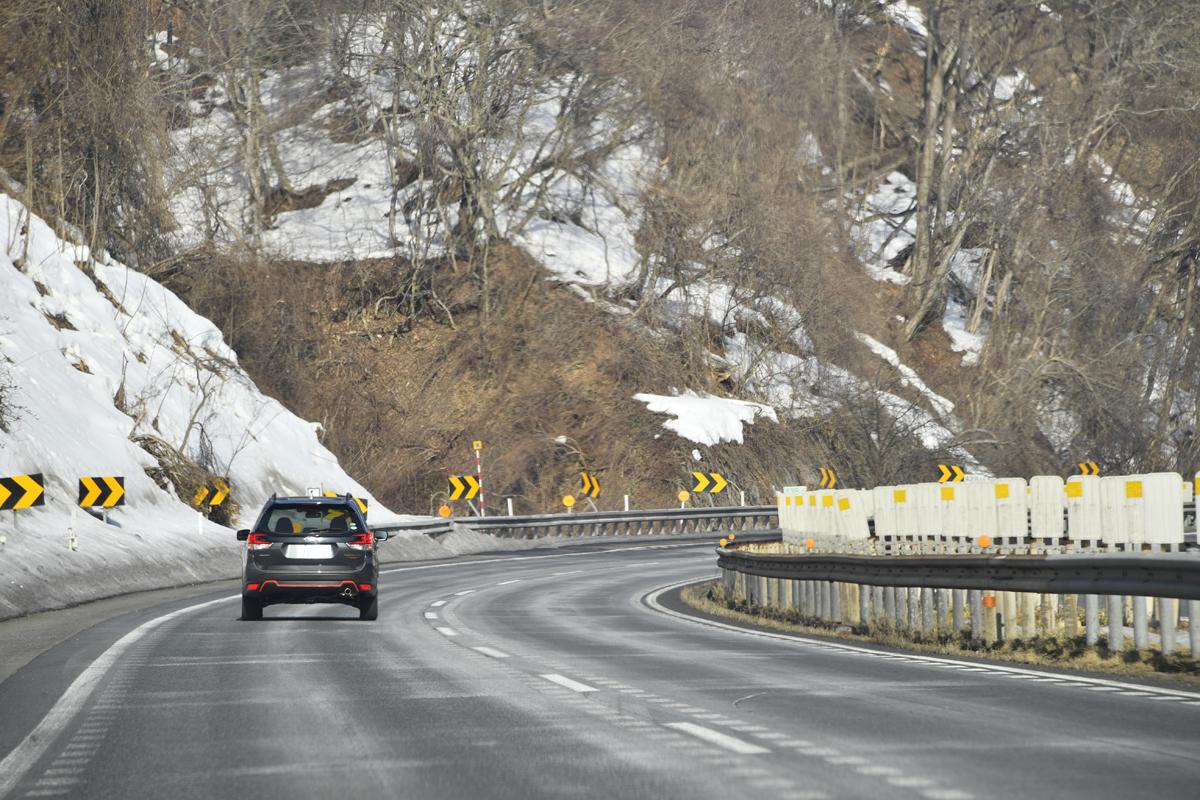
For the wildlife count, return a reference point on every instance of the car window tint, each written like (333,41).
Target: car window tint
(306,520)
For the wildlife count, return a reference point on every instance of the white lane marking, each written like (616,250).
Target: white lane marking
(910,781)
(490,651)
(946,794)
(651,601)
(576,686)
(464,591)
(568,572)
(431,615)
(437,604)
(731,743)
(25,755)
(447,631)
(506,583)
(876,770)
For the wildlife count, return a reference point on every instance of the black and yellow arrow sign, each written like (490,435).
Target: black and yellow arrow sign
(1089,468)
(828,478)
(215,493)
(105,491)
(362,503)
(22,491)
(590,486)
(463,486)
(712,482)
(952,473)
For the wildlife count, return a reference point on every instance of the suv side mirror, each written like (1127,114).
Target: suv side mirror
(381,536)
(243,535)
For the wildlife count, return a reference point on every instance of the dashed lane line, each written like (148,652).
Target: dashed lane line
(574,686)
(444,631)
(491,652)
(724,740)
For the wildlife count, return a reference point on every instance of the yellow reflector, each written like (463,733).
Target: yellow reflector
(1001,493)
(1074,489)
(844,504)
(812,499)
(947,492)
(899,496)
(827,501)
(1133,489)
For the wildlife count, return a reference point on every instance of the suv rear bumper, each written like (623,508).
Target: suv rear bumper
(340,586)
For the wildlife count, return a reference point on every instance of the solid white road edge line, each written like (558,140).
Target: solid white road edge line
(576,686)
(724,740)
(447,631)
(431,615)
(25,755)
(651,600)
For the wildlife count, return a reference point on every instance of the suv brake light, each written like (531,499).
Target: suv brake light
(363,541)
(257,541)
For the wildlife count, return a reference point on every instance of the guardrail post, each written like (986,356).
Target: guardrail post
(958,599)
(914,610)
(1116,622)
(1168,613)
(991,622)
(889,604)
(927,611)
(1193,613)
(1070,616)
(1141,633)
(1049,611)
(1027,611)
(975,599)
(901,608)
(1006,604)
(864,605)
(835,602)
(1091,619)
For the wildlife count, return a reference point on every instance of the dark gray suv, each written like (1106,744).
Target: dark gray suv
(310,550)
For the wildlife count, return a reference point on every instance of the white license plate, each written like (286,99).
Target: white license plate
(310,551)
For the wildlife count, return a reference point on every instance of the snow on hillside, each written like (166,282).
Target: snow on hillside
(706,419)
(95,361)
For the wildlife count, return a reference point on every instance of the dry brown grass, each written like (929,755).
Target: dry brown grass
(710,598)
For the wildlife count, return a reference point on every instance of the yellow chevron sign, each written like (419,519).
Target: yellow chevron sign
(590,486)
(463,486)
(712,482)
(828,478)
(22,491)
(214,494)
(953,473)
(1089,468)
(106,491)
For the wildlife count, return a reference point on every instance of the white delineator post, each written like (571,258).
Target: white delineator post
(478,447)
(626,502)
(510,510)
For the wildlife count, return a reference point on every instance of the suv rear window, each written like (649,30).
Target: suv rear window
(307,519)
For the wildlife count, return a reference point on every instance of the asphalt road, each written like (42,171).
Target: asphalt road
(558,675)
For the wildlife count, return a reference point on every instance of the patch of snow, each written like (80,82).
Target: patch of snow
(886,228)
(695,454)
(954,322)
(706,419)
(907,15)
(908,376)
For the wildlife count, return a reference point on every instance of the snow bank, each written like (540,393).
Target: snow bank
(706,419)
(94,362)
(908,375)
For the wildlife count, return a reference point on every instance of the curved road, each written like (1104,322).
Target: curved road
(555,674)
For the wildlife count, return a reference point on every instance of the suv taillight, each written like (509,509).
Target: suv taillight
(363,541)
(257,541)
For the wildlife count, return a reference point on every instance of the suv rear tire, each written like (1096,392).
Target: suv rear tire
(251,608)
(369,609)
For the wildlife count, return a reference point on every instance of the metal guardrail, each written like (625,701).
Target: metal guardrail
(993,597)
(1173,575)
(646,522)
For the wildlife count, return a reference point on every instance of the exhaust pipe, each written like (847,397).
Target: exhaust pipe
(348,591)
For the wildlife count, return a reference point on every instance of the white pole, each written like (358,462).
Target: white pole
(479,477)
(510,511)
(743,493)
(71,530)
(626,502)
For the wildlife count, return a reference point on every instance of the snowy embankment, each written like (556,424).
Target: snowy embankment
(98,356)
